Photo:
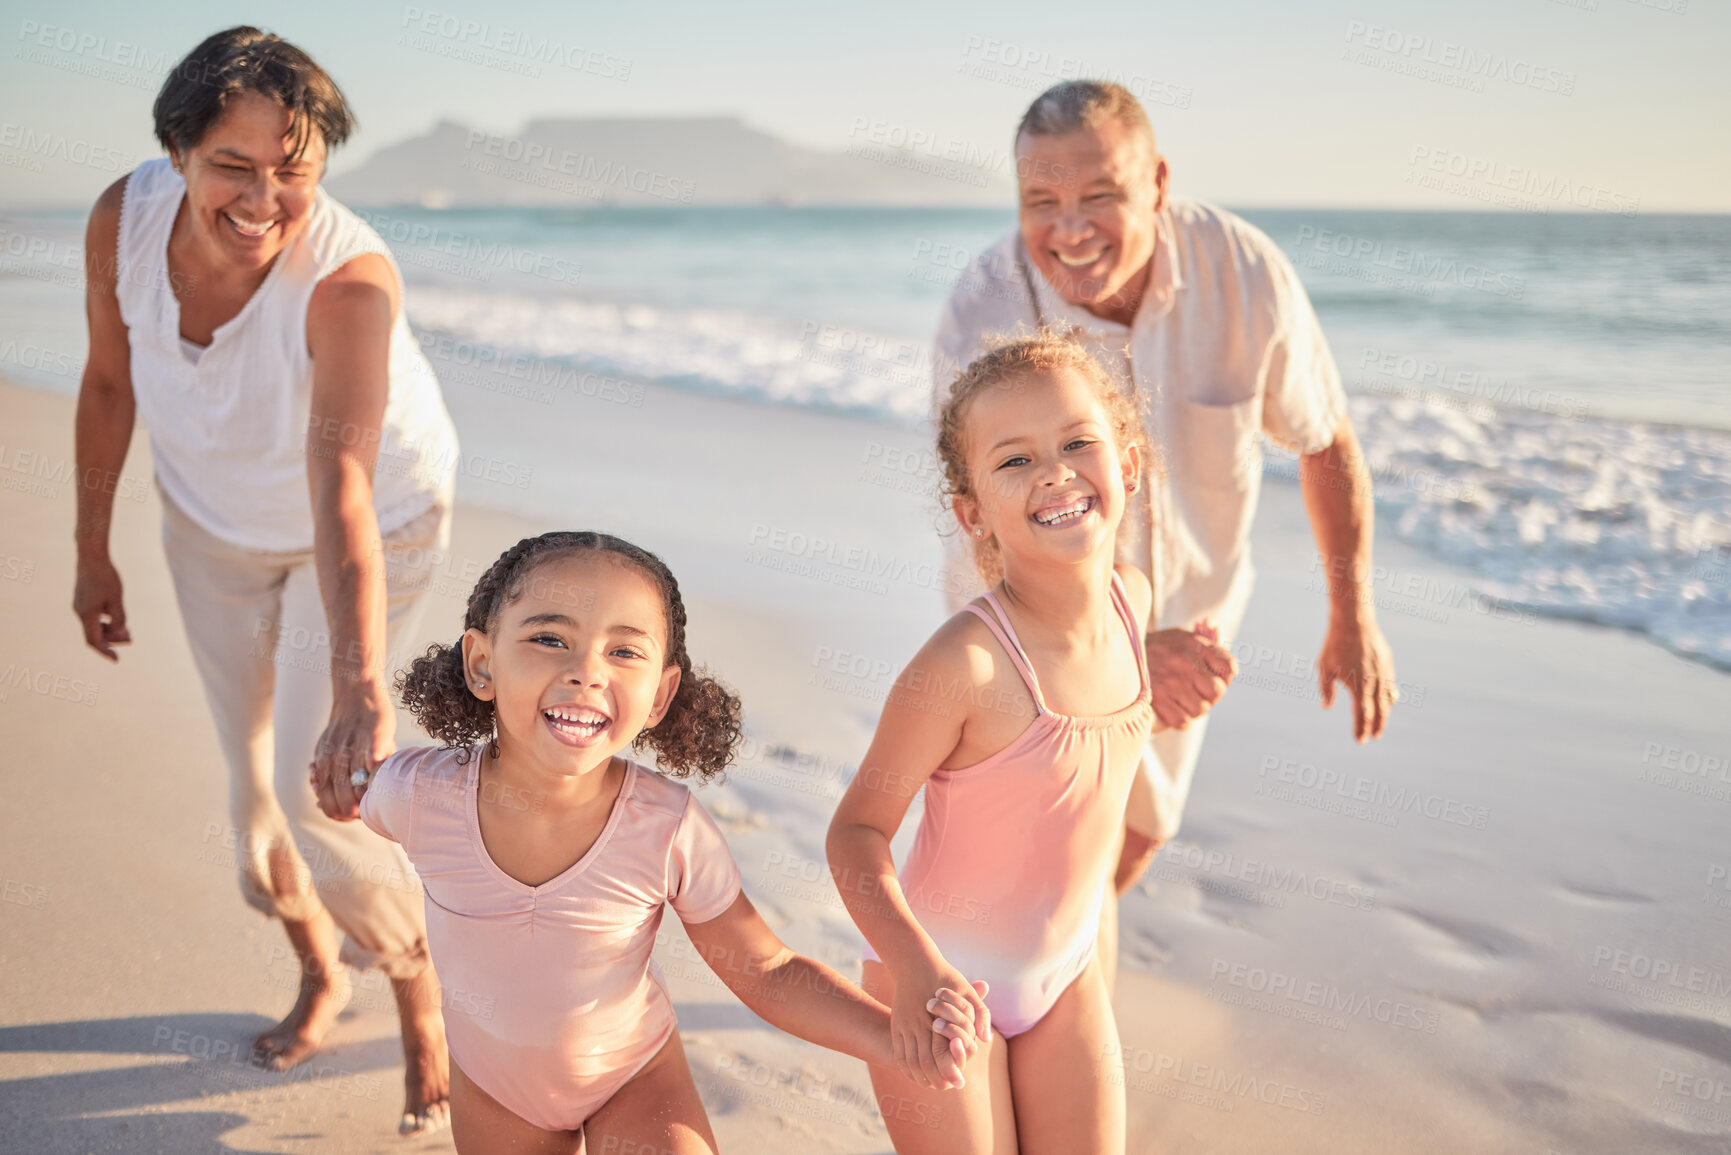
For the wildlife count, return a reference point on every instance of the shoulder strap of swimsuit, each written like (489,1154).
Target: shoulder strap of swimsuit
(1122,600)
(1006,635)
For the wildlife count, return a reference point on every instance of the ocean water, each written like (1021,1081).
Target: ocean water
(1545,399)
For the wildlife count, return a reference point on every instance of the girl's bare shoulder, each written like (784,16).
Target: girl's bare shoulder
(963,647)
(959,661)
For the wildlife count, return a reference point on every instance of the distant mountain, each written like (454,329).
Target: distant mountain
(616,161)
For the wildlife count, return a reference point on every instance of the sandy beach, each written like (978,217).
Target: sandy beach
(1506,927)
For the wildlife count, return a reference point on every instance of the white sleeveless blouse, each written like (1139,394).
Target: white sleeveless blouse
(228,433)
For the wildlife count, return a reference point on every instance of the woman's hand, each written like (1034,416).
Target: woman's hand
(913,1033)
(96,599)
(361,734)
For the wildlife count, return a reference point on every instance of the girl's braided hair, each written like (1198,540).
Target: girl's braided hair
(702,725)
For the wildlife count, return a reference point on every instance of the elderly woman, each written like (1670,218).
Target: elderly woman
(306,464)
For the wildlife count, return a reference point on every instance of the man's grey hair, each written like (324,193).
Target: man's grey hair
(1064,108)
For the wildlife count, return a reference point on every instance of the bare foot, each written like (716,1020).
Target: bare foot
(426,1063)
(294,1040)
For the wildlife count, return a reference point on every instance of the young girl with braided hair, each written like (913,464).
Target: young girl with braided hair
(546,858)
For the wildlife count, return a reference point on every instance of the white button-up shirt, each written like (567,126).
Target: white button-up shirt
(1224,348)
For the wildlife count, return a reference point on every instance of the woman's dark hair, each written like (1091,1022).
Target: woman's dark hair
(245,59)
(696,735)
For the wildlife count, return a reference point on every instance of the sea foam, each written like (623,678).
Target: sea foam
(1626,524)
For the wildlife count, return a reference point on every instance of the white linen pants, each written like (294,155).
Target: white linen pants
(256,626)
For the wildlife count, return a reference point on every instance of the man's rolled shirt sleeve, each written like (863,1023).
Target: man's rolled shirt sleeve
(1303,402)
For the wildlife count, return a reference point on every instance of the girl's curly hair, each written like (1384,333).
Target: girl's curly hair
(697,735)
(1004,360)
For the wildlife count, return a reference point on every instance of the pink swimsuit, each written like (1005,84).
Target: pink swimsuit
(552,1002)
(1009,865)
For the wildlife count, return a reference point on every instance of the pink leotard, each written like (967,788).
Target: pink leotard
(551,999)
(1009,866)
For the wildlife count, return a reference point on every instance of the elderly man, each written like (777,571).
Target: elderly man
(1205,316)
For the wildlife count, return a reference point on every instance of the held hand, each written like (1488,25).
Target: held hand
(956,1036)
(360,735)
(1355,654)
(96,599)
(1188,671)
(911,1028)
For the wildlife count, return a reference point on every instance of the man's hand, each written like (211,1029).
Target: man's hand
(1188,672)
(1355,655)
(361,733)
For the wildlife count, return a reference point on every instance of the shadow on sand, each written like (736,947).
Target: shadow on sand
(186,1057)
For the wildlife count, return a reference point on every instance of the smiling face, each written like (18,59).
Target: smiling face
(1047,478)
(1088,206)
(246,198)
(576,665)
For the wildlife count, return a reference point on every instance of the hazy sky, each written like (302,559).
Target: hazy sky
(1623,102)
